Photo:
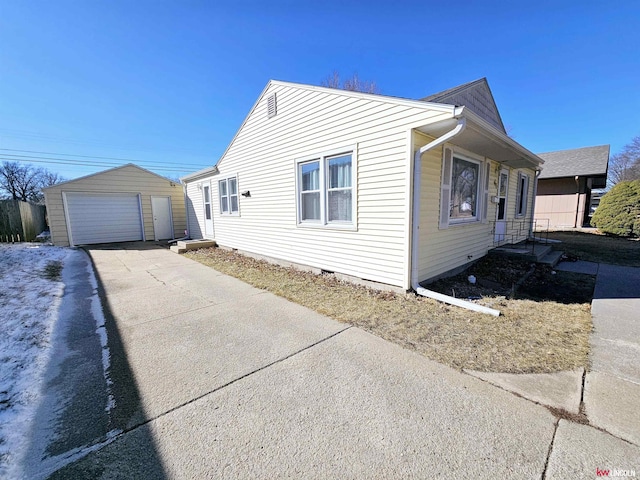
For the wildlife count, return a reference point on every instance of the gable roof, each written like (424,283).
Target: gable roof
(111,170)
(586,161)
(483,129)
(476,96)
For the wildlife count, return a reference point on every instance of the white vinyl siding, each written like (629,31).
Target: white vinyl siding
(195,210)
(126,179)
(443,249)
(311,121)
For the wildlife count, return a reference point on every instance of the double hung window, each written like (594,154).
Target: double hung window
(228,192)
(326,190)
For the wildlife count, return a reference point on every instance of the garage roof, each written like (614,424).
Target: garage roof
(586,161)
(111,170)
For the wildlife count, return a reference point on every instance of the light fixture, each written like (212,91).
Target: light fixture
(246,193)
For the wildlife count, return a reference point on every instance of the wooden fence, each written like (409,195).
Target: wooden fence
(21,221)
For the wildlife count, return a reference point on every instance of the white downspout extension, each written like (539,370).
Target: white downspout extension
(415,234)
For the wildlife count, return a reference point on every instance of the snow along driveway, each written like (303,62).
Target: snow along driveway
(30,293)
(55,392)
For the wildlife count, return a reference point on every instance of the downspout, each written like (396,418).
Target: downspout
(575,222)
(533,205)
(186,207)
(415,233)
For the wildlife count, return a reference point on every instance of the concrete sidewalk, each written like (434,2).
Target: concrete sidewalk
(216,379)
(612,388)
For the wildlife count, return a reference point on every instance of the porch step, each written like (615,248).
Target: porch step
(523,251)
(184,245)
(552,258)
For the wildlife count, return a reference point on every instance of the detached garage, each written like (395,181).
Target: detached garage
(123,204)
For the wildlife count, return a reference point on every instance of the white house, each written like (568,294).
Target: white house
(380,188)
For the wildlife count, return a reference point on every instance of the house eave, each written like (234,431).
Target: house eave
(484,139)
(205,172)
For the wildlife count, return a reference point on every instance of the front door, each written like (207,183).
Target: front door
(501,215)
(208,217)
(162,223)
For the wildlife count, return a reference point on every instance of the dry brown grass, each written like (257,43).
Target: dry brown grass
(596,247)
(530,336)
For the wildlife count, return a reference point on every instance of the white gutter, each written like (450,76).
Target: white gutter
(415,234)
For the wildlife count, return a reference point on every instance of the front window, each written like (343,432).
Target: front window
(325,190)
(228,192)
(465,178)
(521,195)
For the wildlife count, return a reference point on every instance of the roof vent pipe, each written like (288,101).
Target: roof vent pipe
(415,234)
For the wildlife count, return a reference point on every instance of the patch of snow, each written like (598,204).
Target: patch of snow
(101,330)
(29,301)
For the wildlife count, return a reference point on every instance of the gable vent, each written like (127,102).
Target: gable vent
(271,106)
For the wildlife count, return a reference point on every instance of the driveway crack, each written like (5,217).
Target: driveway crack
(231,382)
(553,438)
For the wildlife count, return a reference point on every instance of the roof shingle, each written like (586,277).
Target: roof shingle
(586,161)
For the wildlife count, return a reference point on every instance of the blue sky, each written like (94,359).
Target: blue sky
(166,84)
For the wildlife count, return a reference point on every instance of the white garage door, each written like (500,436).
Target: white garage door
(103,217)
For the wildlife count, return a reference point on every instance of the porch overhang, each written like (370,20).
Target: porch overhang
(483,139)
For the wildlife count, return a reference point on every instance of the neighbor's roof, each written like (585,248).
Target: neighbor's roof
(476,96)
(586,161)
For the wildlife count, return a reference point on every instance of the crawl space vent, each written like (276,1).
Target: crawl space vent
(271,106)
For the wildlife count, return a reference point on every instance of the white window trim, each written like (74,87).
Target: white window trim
(323,158)
(478,218)
(237,194)
(522,213)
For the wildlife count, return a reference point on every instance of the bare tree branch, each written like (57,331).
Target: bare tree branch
(353,84)
(25,182)
(625,166)
(332,81)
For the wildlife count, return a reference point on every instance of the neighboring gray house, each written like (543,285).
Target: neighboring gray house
(563,197)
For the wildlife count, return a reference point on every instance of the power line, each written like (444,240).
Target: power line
(89,156)
(79,163)
(92,142)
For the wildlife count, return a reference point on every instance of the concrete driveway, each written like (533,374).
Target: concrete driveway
(213,378)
